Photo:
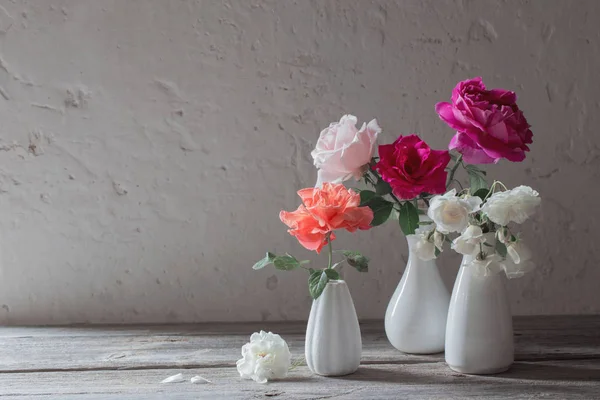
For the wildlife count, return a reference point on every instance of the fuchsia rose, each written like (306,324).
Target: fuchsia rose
(411,167)
(489,125)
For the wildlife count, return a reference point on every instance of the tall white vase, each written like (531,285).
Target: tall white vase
(333,342)
(415,319)
(479,332)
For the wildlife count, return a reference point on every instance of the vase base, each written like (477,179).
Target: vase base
(421,352)
(473,371)
(334,374)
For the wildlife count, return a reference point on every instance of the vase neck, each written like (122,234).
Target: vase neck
(490,238)
(412,257)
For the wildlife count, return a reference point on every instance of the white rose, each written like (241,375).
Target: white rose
(515,205)
(468,242)
(451,213)
(342,151)
(502,235)
(267,356)
(514,270)
(486,266)
(518,260)
(438,240)
(422,247)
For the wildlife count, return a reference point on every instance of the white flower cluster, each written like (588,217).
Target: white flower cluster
(482,224)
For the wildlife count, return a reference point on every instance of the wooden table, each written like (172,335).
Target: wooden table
(557,358)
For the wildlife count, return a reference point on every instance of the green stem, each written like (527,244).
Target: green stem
(377,178)
(453,170)
(330,250)
(368,178)
(395,198)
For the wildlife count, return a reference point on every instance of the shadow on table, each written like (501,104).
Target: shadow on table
(371,373)
(545,372)
(519,371)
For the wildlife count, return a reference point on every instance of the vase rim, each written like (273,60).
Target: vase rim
(336,281)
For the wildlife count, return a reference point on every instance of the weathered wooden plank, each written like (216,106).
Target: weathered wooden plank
(531,380)
(95,348)
(545,323)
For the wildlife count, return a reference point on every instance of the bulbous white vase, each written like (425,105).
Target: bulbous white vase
(479,332)
(415,319)
(333,342)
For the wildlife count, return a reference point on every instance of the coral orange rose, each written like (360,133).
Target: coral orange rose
(323,211)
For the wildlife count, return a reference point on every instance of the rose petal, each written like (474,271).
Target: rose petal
(177,378)
(199,380)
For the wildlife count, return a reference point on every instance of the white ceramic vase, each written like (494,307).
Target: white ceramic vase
(415,319)
(479,333)
(333,342)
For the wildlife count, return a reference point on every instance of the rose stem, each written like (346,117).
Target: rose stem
(330,250)
(377,177)
(453,170)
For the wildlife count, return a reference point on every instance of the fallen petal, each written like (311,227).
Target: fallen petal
(174,379)
(199,380)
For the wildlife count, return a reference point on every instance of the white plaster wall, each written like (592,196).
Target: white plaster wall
(147,146)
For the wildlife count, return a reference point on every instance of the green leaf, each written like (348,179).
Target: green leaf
(473,168)
(315,286)
(265,261)
(500,248)
(286,263)
(476,179)
(317,280)
(409,218)
(381,210)
(332,274)
(357,260)
(366,196)
(382,188)
(481,193)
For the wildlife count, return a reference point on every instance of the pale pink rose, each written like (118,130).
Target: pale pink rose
(342,151)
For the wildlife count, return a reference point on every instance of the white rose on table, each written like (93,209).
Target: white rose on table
(468,242)
(342,151)
(267,356)
(515,205)
(451,213)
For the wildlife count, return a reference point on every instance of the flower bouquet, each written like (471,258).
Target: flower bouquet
(418,186)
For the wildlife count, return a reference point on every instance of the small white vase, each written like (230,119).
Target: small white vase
(479,333)
(333,343)
(415,319)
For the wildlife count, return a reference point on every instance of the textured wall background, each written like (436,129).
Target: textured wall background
(147,146)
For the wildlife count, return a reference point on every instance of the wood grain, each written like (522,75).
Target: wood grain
(533,380)
(559,358)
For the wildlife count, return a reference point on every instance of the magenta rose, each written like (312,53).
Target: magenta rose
(411,167)
(488,123)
